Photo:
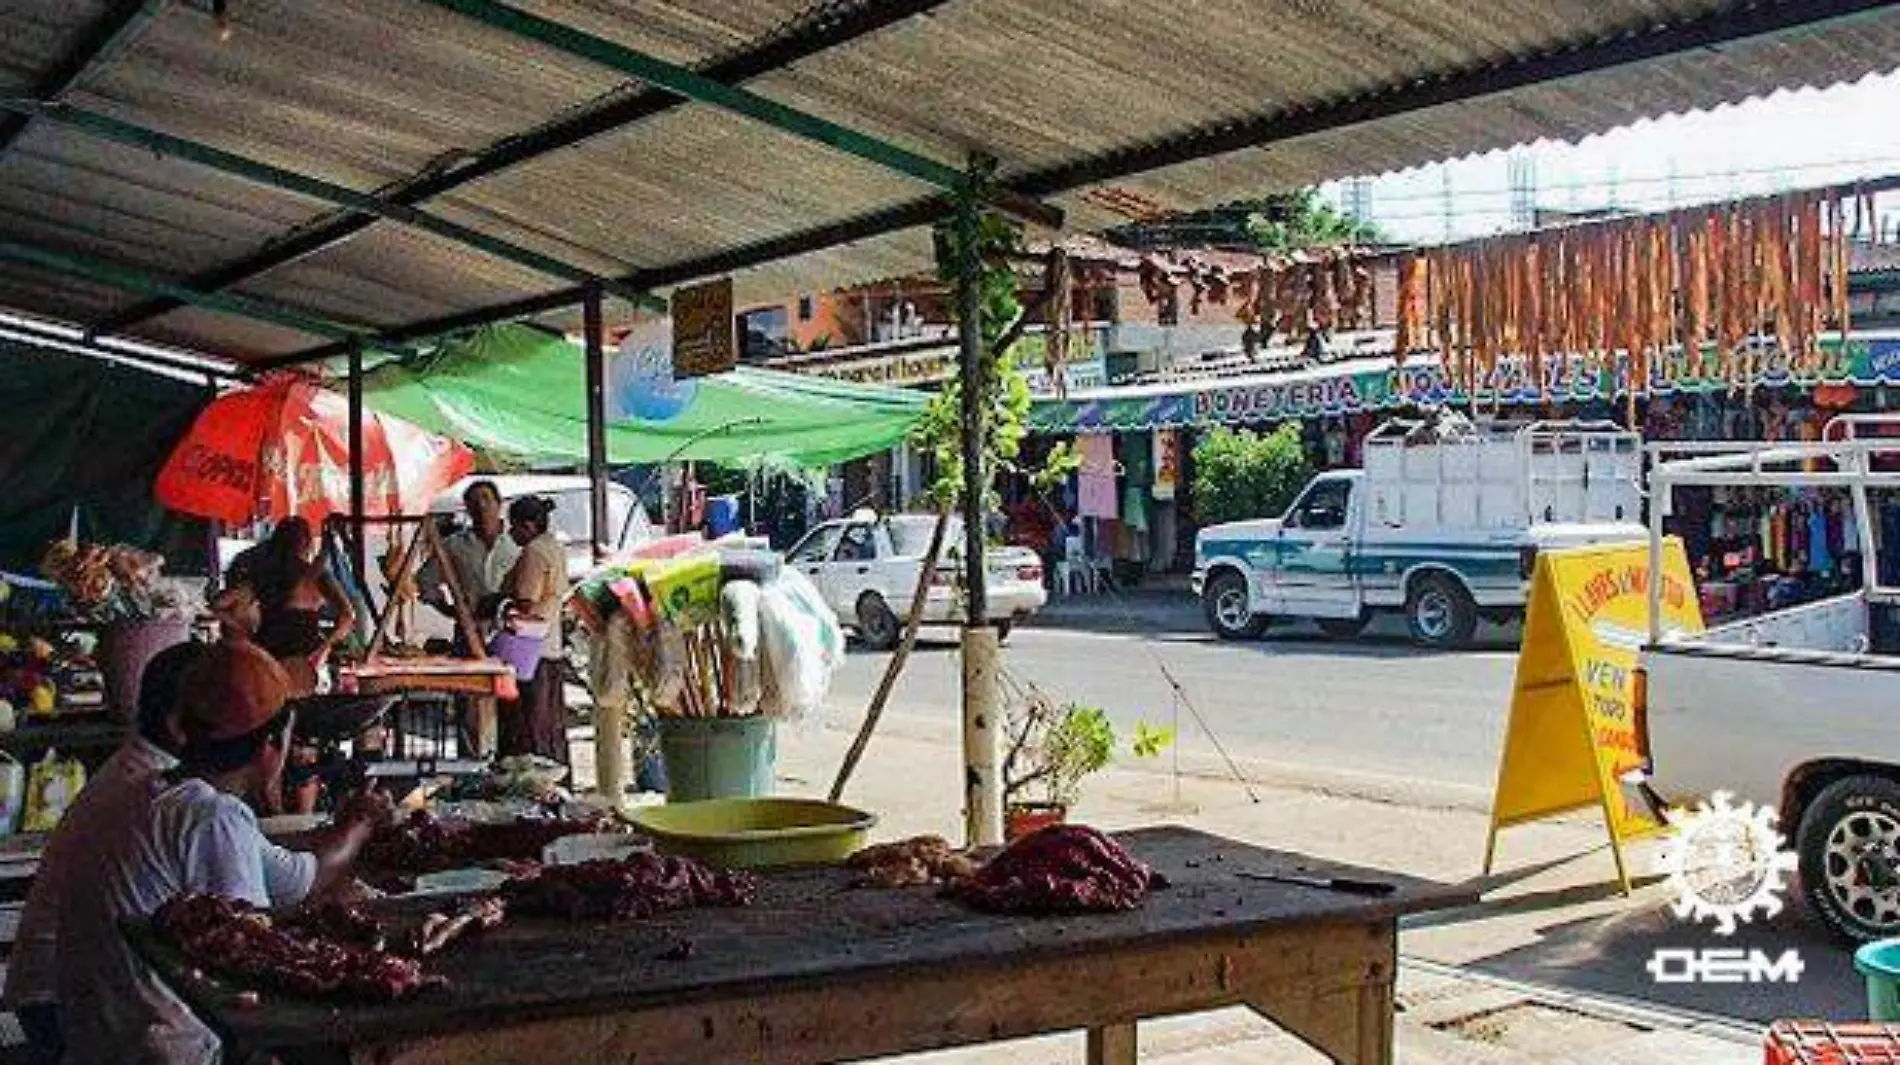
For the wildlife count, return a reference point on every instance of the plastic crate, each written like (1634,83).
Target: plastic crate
(1821,1043)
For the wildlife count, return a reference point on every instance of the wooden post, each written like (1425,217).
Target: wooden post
(982,751)
(359,542)
(596,419)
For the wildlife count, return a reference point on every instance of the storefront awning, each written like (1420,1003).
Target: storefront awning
(520,392)
(1381,384)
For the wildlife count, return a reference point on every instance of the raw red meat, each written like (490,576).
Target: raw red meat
(639,885)
(233,938)
(1062,869)
(423,844)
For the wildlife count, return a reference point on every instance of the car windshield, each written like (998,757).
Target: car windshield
(910,533)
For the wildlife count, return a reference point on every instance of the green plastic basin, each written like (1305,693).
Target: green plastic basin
(757,833)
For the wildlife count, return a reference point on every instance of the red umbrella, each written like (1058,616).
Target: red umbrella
(283,448)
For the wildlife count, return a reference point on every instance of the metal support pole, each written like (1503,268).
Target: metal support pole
(1659,498)
(359,547)
(597,419)
(982,751)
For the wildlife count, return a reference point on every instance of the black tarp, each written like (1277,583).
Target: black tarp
(88,433)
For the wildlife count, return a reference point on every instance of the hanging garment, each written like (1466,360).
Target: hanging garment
(1820,559)
(1095,481)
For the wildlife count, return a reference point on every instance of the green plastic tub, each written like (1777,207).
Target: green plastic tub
(718,757)
(1879,962)
(757,833)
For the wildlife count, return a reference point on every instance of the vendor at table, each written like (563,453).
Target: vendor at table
(188,829)
(480,558)
(536,723)
(31,989)
(293,590)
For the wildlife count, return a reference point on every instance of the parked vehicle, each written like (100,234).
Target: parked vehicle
(866,568)
(1443,523)
(1793,710)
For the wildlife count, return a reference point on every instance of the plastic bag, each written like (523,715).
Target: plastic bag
(739,610)
(802,645)
(686,589)
(51,786)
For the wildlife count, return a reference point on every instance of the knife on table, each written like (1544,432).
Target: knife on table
(1328,883)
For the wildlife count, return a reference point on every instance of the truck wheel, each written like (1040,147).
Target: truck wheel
(1440,612)
(1343,628)
(1228,614)
(877,626)
(1849,843)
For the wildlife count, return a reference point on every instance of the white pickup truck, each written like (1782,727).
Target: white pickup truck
(1443,523)
(866,568)
(1797,710)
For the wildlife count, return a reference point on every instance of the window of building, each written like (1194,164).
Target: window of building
(765,333)
(804,308)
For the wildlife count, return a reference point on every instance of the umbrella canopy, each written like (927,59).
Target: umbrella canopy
(283,448)
(523,393)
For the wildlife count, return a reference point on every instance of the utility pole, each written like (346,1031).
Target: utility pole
(982,750)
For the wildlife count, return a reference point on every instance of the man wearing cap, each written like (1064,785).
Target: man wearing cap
(31,992)
(188,829)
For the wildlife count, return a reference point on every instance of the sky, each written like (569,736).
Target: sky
(1788,140)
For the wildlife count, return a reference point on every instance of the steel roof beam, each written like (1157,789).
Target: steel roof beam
(826,29)
(105,38)
(129,280)
(274,177)
(1723,27)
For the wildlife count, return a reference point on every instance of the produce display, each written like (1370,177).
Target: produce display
(1692,285)
(43,678)
(912,862)
(639,885)
(1063,869)
(423,843)
(107,583)
(238,941)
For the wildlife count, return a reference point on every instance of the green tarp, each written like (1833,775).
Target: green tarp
(519,392)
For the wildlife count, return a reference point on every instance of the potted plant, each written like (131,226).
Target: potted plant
(1050,749)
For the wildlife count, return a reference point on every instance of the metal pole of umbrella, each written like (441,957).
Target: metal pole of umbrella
(596,418)
(359,545)
(982,753)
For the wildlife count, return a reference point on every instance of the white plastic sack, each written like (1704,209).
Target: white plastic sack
(802,645)
(739,603)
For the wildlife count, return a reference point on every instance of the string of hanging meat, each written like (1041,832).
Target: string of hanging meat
(1700,292)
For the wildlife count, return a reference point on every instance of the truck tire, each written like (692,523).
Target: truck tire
(1849,843)
(878,627)
(1343,628)
(1439,612)
(1228,614)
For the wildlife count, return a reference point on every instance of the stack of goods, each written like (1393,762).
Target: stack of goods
(1063,869)
(46,678)
(1671,285)
(630,888)
(113,583)
(709,630)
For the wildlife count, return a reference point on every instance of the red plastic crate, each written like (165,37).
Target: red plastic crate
(1821,1043)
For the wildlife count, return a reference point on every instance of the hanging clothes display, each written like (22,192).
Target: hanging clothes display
(1095,480)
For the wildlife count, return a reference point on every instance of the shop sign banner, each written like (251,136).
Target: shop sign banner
(704,341)
(1167,451)
(1572,732)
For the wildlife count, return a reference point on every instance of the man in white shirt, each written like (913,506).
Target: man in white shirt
(30,987)
(188,829)
(481,557)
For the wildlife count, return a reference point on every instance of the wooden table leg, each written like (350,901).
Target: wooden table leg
(1346,1012)
(1113,1045)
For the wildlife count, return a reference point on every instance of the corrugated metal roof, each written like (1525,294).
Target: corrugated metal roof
(365,93)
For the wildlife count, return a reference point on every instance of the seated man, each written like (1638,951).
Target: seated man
(188,829)
(30,992)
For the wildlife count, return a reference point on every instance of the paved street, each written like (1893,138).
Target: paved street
(1375,720)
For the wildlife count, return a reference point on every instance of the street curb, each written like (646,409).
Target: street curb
(1603,1006)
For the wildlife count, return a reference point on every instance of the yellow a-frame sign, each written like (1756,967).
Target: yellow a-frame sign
(1572,732)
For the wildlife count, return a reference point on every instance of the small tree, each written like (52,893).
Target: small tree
(1241,474)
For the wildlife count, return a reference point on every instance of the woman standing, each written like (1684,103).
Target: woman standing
(537,722)
(292,591)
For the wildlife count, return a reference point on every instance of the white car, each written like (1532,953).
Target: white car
(866,568)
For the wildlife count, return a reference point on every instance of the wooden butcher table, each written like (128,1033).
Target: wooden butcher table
(817,972)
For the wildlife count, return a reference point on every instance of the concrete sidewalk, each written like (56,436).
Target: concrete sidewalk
(1447,1015)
